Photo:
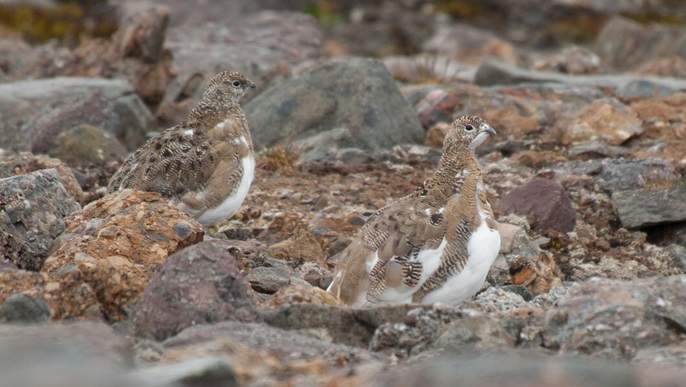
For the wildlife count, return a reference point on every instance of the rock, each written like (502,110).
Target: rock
(520,369)
(33,210)
(617,41)
(606,119)
(86,145)
(415,334)
(347,102)
(200,371)
(514,112)
(468,44)
(525,264)
(23,308)
(114,245)
(200,284)
(258,351)
(263,46)
(436,134)
(596,150)
(643,89)
(89,338)
(61,103)
(545,203)
(349,326)
(623,175)
(674,66)
(507,235)
(649,207)
(46,124)
(662,109)
(477,332)
(661,357)
(134,52)
(663,119)
(301,294)
(24,163)
(570,60)
(274,275)
(186,14)
(614,319)
(492,73)
(80,353)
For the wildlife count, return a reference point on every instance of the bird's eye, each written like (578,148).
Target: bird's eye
(469,127)
(236,83)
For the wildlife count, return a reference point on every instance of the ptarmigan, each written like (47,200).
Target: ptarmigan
(434,245)
(205,164)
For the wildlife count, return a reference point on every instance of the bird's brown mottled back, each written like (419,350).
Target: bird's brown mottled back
(385,252)
(197,164)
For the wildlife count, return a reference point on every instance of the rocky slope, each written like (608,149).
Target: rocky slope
(586,175)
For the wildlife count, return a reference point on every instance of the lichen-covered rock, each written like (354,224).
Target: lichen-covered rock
(24,162)
(260,352)
(604,119)
(198,285)
(32,212)
(650,207)
(114,244)
(614,319)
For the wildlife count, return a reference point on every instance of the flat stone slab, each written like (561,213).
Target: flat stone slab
(649,207)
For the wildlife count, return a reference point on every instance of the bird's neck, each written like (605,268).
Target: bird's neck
(206,116)
(446,179)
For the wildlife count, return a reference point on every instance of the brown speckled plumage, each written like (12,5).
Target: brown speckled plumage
(443,208)
(198,163)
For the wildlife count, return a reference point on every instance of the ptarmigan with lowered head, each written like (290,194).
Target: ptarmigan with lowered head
(434,245)
(205,164)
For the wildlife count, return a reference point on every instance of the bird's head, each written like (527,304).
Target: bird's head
(227,88)
(467,132)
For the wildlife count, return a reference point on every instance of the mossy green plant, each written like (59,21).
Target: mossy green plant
(66,21)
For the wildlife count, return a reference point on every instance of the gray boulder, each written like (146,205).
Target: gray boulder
(649,207)
(262,46)
(33,112)
(32,212)
(85,145)
(619,39)
(341,103)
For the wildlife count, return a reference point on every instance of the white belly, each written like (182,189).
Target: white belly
(483,248)
(231,204)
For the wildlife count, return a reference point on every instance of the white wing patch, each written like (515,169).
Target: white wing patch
(430,260)
(483,248)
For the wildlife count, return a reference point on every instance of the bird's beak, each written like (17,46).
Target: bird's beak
(251,86)
(481,137)
(485,128)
